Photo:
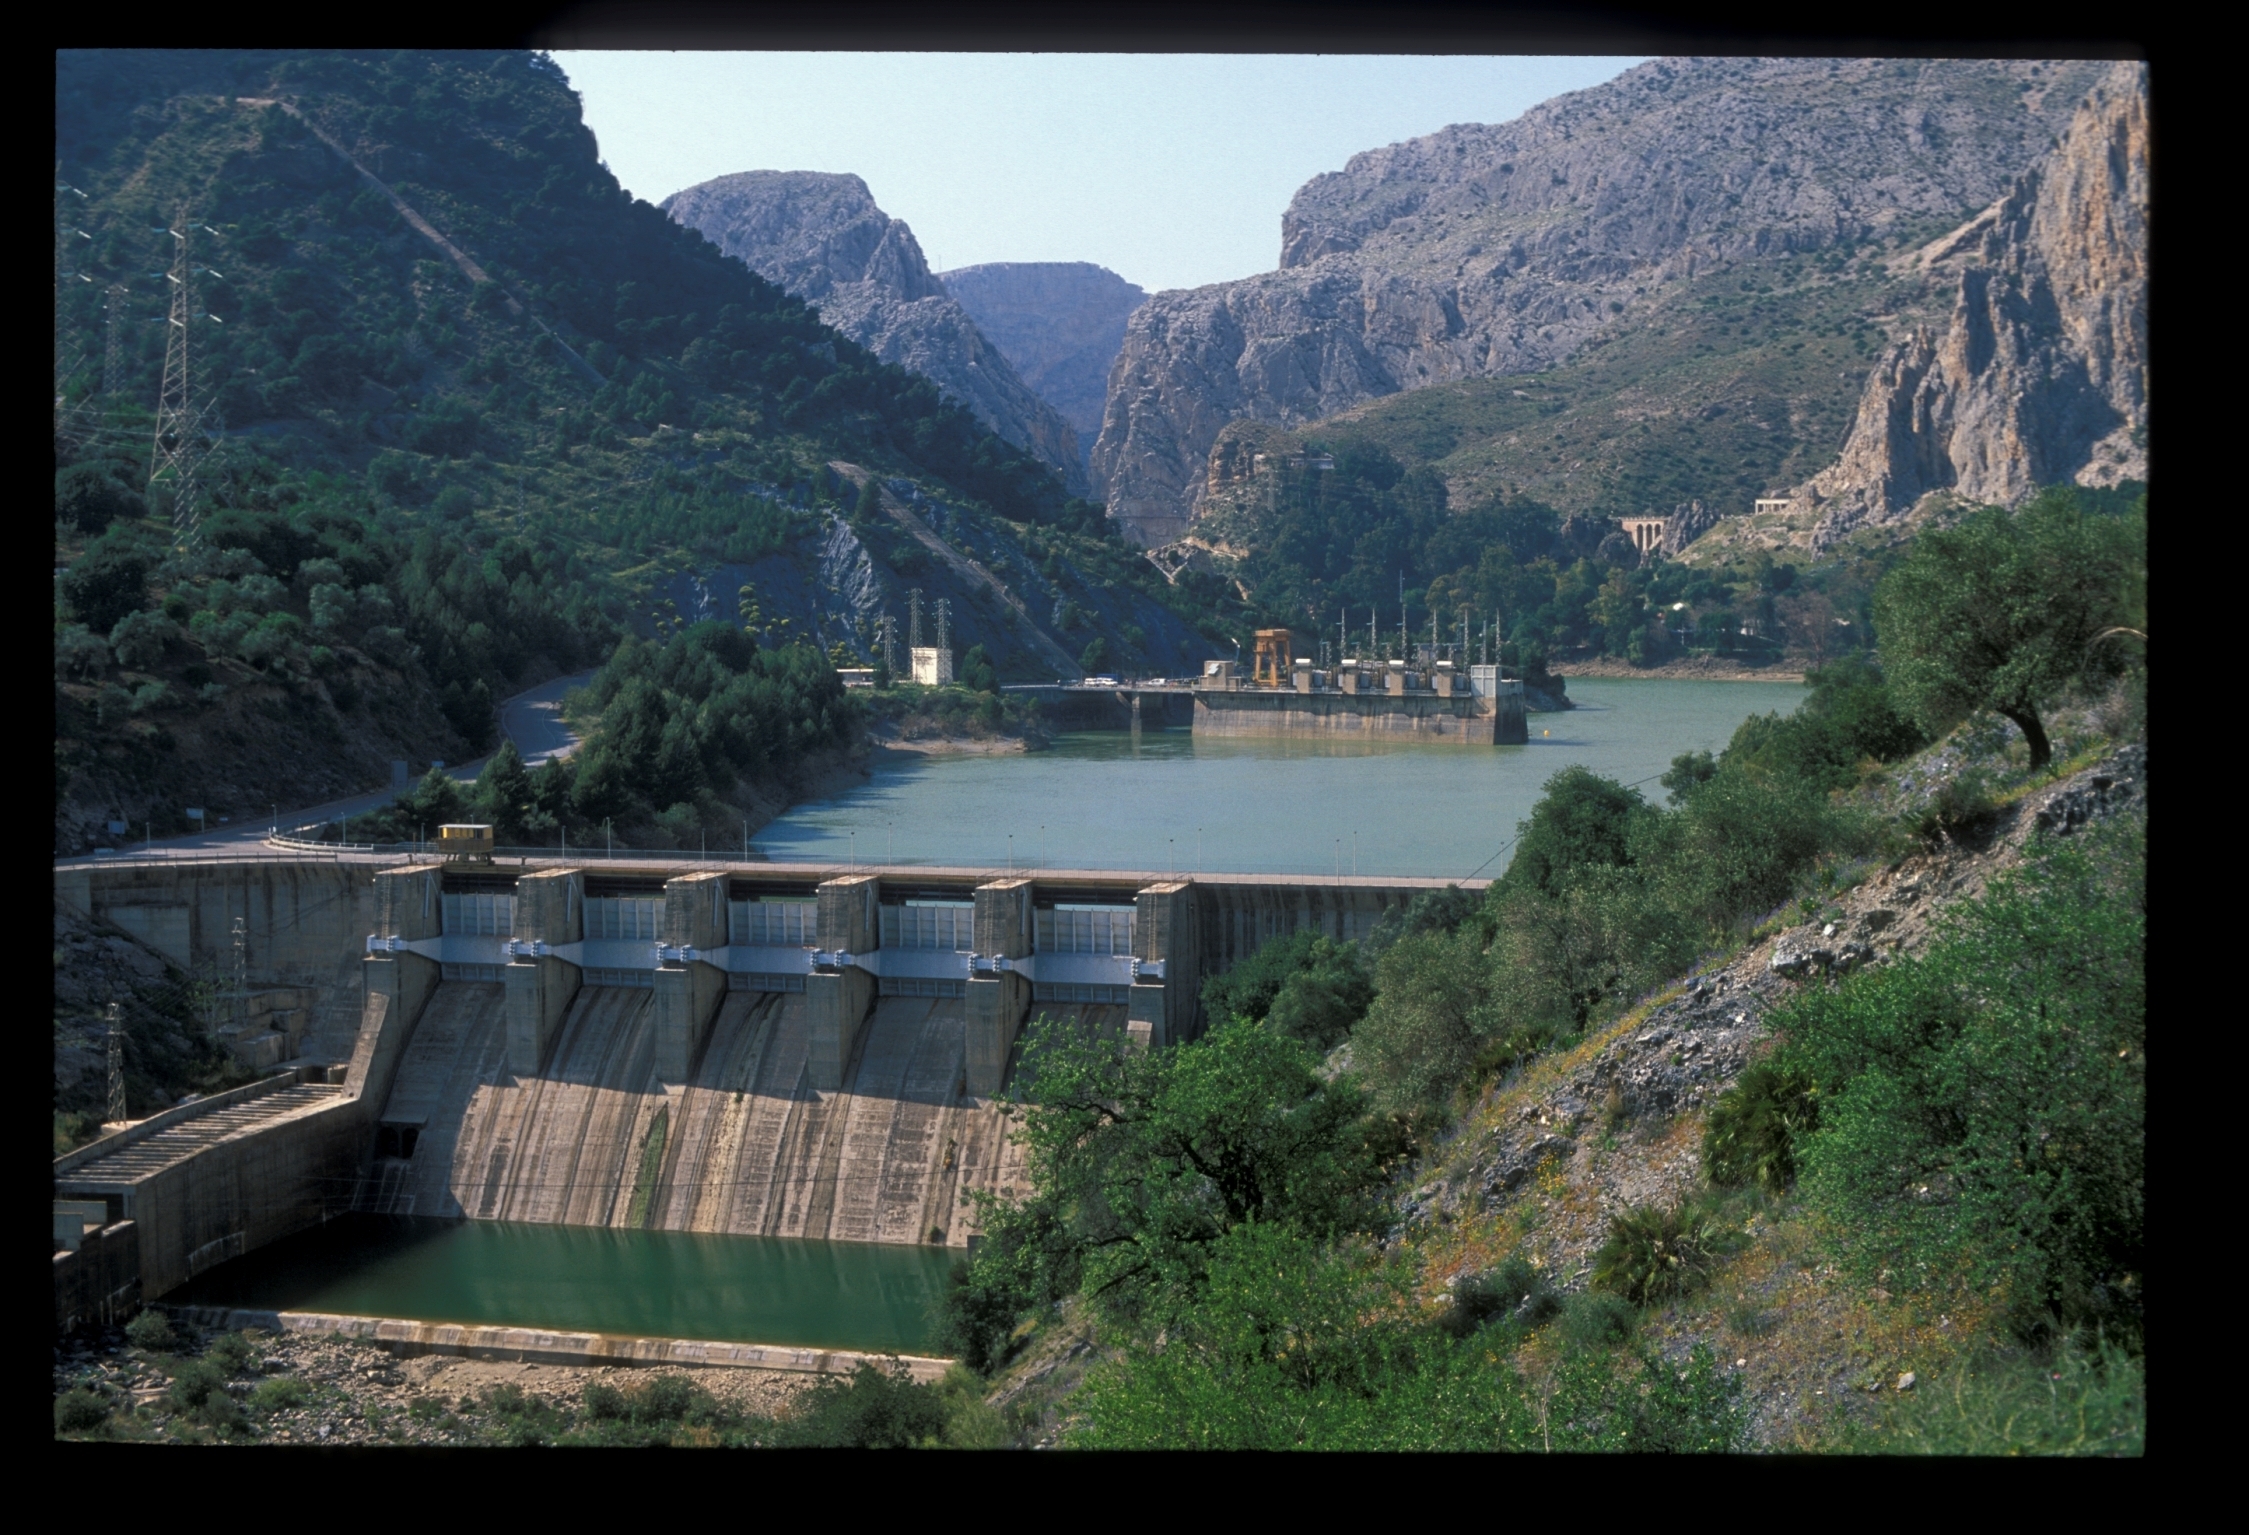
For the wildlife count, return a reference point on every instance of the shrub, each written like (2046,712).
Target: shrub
(79,652)
(1420,1039)
(199,1391)
(2077,1399)
(1595,1319)
(231,1352)
(78,1411)
(670,1399)
(284,1394)
(1985,1106)
(140,639)
(1307,986)
(1653,1254)
(971,1423)
(1739,843)
(1755,1126)
(873,1408)
(89,498)
(1692,1411)
(1581,820)
(604,1403)
(1959,804)
(151,1330)
(424,1409)
(1514,1291)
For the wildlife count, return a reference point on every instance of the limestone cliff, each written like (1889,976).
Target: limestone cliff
(2041,376)
(822,238)
(1501,249)
(1061,323)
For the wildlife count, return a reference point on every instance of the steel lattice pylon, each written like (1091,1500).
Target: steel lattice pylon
(113,350)
(181,421)
(116,1107)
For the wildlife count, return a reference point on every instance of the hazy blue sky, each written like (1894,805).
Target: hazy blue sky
(1170,169)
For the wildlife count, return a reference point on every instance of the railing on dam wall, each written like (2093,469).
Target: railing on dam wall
(142,1129)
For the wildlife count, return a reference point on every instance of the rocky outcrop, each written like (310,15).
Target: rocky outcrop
(1061,323)
(1688,521)
(1499,249)
(2041,376)
(822,238)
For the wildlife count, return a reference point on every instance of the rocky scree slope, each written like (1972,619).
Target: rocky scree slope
(1503,249)
(822,238)
(1061,323)
(2041,376)
(1617,1123)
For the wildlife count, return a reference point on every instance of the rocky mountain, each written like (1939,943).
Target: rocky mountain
(2041,375)
(1495,250)
(822,238)
(1061,323)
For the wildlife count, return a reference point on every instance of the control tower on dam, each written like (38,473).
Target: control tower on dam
(753,1049)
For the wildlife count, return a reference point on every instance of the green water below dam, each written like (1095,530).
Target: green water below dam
(868,1296)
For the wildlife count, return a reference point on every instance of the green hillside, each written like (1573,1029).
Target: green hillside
(479,414)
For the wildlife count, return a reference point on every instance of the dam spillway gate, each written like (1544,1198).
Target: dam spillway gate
(757,1049)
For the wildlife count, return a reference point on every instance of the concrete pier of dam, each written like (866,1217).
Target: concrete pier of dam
(749,1048)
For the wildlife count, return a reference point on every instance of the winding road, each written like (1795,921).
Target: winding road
(532,719)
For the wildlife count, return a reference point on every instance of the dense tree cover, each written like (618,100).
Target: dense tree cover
(683,726)
(308,582)
(2004,610)
(1331,544)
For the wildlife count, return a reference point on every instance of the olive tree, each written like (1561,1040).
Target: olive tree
(2000,612)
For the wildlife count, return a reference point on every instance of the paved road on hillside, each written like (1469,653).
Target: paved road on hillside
(532,719)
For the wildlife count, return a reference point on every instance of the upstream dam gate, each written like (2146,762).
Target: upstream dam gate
(751,1048)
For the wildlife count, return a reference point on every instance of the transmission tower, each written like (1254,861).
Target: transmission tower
(886,636)
(944,623)
(241,971)
(913,618)
(113,351)
(116,1109)
(182,417)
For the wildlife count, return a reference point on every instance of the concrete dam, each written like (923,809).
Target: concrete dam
(750,1049)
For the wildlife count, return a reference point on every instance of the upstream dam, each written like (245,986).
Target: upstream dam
(747,1049)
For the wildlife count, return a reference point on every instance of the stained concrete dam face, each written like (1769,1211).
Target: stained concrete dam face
(747,1146)
(784,1063)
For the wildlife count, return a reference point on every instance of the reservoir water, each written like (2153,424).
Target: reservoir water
(1276,805)
(873,1297)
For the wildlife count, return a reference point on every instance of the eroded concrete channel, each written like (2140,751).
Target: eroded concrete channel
(762,1053)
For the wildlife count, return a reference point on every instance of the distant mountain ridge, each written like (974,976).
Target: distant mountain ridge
(1496,250)
(822,238)
(1061,323)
